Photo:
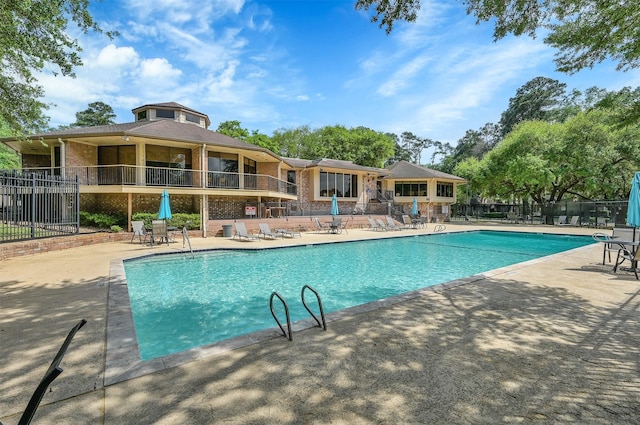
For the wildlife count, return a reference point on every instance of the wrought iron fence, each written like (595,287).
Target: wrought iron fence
(34,205)
(590,213)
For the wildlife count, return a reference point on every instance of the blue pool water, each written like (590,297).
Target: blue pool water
(180,302)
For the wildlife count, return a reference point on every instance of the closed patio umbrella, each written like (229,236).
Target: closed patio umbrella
(414,208)
(334,205)
(633,211)
(164,213)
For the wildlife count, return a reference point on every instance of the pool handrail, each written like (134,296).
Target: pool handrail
(324,322)
(286,311)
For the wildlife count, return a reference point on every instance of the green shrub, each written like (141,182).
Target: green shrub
(116,229)
(102,221)
(178,219)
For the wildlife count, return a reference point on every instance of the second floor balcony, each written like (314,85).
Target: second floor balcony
(131,175)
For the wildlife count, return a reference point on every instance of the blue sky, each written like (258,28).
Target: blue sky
(282,64)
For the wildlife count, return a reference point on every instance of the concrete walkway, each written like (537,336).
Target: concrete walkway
(555,340)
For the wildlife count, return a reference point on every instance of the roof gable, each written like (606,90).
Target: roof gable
(407,170)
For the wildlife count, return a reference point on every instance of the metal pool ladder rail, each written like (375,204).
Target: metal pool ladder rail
(324,323)
(288,333)
(286,310)
(185,237)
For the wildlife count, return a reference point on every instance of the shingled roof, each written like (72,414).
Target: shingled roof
(407,170)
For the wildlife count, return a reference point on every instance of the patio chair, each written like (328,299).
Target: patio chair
(265,231)
(391,224)
(159,232)
(562,221)
(614,242)
(344,225)
(242,233)
(625,254)
(139,231)
(407,222)
(322,227)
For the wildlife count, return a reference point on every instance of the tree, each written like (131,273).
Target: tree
(233,129)
(33,36)
(533,101)
(9,160)
(586,157)
(585,32)
(360,145)
(98,113)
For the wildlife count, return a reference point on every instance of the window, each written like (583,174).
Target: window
(224,162)
(249,166)
(169,157)
(142,115)
(411,188)
(444,190)
(291,178)
(117,155)
(165,113)
(342,185)
(192,118)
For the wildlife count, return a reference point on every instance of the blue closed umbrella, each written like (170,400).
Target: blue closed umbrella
(414,208)
(164,213)
(334,205)
(633,211)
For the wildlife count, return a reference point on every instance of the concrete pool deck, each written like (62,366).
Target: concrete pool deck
(555,340)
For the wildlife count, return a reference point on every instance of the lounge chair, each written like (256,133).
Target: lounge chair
(374,226)
(562,220)
(575,221)
(139,231)
(159,232)
(265,231)
(242,234)
(287,233)
(382,224)
(391,224)
(628,255)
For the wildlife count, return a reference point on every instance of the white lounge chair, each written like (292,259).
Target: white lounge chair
(391,224)
(374,226)
(242,234)
(265,231)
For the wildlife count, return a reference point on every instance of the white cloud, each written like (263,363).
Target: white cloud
(401,79)
(159,70)
(116,57)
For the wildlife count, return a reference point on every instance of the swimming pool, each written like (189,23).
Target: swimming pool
(180,303)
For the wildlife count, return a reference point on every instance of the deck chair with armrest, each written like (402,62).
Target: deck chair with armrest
(242,233)
(625,254)
(321,227)
(407,222)
(383,225)
(374,226)
(391,224)
(265,231)
(159,232)
(138,230)
(344,225)
(615,241)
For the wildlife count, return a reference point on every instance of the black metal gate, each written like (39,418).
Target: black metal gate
(35,205)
